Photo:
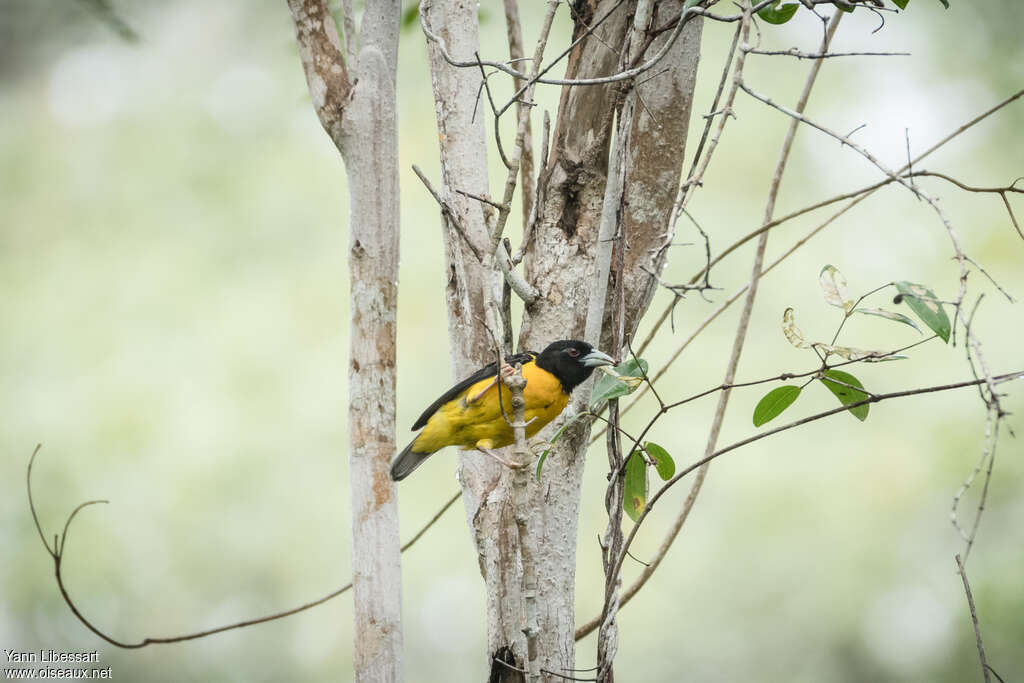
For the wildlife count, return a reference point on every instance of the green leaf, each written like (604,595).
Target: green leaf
(926,305)
(881,313)
(833,284)
(774,402)
(663,462)
(845,394)
(849,7)
(774,14)
(540,461)
(902,4)
(945,3)
(626,379)
(634,494)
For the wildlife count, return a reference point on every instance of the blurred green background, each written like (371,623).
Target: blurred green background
(174,319)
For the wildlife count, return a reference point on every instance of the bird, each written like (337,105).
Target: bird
(470,414)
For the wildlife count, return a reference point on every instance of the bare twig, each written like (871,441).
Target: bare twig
(59,546)
(794,52)
(590,626)
(539,195)
(895,175)
(527,182)
(856,198)
(741,331)
(1006,377)
(974,618)
(623,75)
(449,214)
(521,502)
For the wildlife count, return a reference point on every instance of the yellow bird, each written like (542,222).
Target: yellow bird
(469,415)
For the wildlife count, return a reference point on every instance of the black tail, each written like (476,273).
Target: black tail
(406,461)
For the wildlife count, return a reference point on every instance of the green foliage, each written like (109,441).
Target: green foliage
(774,14)
(625,380)
(663,462)
(902,4)
(926,305)
(774,402)
(847,394)
(635,487)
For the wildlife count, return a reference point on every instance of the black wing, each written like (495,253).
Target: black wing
(489,370)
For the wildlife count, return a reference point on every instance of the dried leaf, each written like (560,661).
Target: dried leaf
(792,332)
(833,284)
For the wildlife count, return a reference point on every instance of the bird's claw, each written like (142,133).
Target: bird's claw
(507,371)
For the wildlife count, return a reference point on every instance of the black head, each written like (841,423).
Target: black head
(572,361)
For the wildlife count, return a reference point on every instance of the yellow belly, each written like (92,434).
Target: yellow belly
(474,419)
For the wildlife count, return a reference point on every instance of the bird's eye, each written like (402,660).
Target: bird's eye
(573,353)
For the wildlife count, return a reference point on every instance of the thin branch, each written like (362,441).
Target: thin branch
(482,199)
(895,175)
(752,287)
(322,62)
(591,625)
(527,182)
(623,75)
(1001,191)
(60,543)
(449,214)
(1010,376)
(794,52)
(856,197)
(974,618)
(539,195)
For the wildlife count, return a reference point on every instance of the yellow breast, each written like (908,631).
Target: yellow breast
(475,417)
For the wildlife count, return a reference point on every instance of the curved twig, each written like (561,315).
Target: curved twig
(57,553)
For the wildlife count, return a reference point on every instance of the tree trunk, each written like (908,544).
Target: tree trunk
(371,144)
(463,145)
(560,264)
(361,119)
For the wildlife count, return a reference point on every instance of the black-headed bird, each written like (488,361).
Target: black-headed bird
(470,414)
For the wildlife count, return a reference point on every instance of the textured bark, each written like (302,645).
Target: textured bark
(560,264)
(486,494)
(371,144)
(361,120)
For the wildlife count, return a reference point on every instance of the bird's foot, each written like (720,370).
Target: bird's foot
(480,394)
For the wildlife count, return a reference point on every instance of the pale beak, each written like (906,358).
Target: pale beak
(596,358)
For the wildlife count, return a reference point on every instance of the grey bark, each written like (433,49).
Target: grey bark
(361,120)
(559,263)
(463,145)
